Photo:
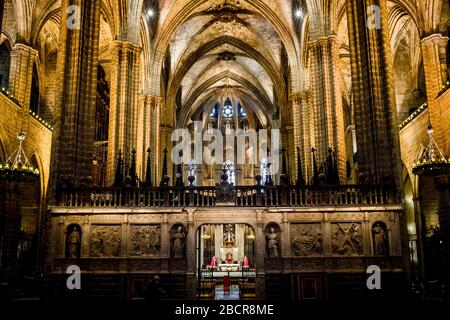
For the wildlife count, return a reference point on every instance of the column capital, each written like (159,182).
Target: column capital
(322,41)
(151,100)
(298,96)
(24,49)
(435,39)
(126,46)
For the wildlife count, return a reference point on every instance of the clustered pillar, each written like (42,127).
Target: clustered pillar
(375,111)
(73,135)
(23,58)
(123,123)
(326,100)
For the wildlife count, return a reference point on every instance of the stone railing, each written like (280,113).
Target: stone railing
(242,196)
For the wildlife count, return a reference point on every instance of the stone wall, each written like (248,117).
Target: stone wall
(135,242)
(37,143)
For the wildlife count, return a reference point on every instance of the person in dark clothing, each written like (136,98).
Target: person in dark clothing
(154,292)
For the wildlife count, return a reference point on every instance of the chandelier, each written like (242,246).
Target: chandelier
(17,166)
(432,161)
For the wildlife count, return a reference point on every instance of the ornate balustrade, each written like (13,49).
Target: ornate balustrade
(242,196)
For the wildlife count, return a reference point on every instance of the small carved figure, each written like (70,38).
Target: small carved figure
(74,242)
(272,243)
(379,240)
(178,238)
(105,241)
(307,240)
(347,241)
(145,240)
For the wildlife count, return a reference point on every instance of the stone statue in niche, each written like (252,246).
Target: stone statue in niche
(272,242)
(105,241)
(306,239)
(209,161)
(346,239)
(74,243)
(145,240)
(248,163)
(178,242)
(380,242)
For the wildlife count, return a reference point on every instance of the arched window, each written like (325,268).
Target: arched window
(5,61)
(228,109)
(192,170)
(242,112)
(264,170)
(34,99)
(228,166)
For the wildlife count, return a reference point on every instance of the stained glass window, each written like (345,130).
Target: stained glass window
(242,112)
(228,109)
(230,171)
(214,112)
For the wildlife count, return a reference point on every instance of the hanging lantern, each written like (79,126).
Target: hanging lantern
(432,162)
(17,166)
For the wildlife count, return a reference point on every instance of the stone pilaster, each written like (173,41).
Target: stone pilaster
(435,67)
(62,236)
(285,237)
(123,115)
(191,283)
(165,237)
(290,154)
(21,74)
(73,135)
(301,132)
(373,94)
(326,100)
(367,235)
(260,254)
(149,133)
(85,232)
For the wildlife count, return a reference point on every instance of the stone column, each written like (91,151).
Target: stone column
(123,115)
(75,100)
(434,49)
(326,100)
(149,130)
(301,132)
(291,156)
(21,74)
(373,93)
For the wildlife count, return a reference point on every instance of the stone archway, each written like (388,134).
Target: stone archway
(226,259)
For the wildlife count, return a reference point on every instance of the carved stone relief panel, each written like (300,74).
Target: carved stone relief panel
(306,239)
(346,238)
(104,241)
(145,240)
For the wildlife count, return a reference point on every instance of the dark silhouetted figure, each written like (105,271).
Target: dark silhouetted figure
(154,292)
